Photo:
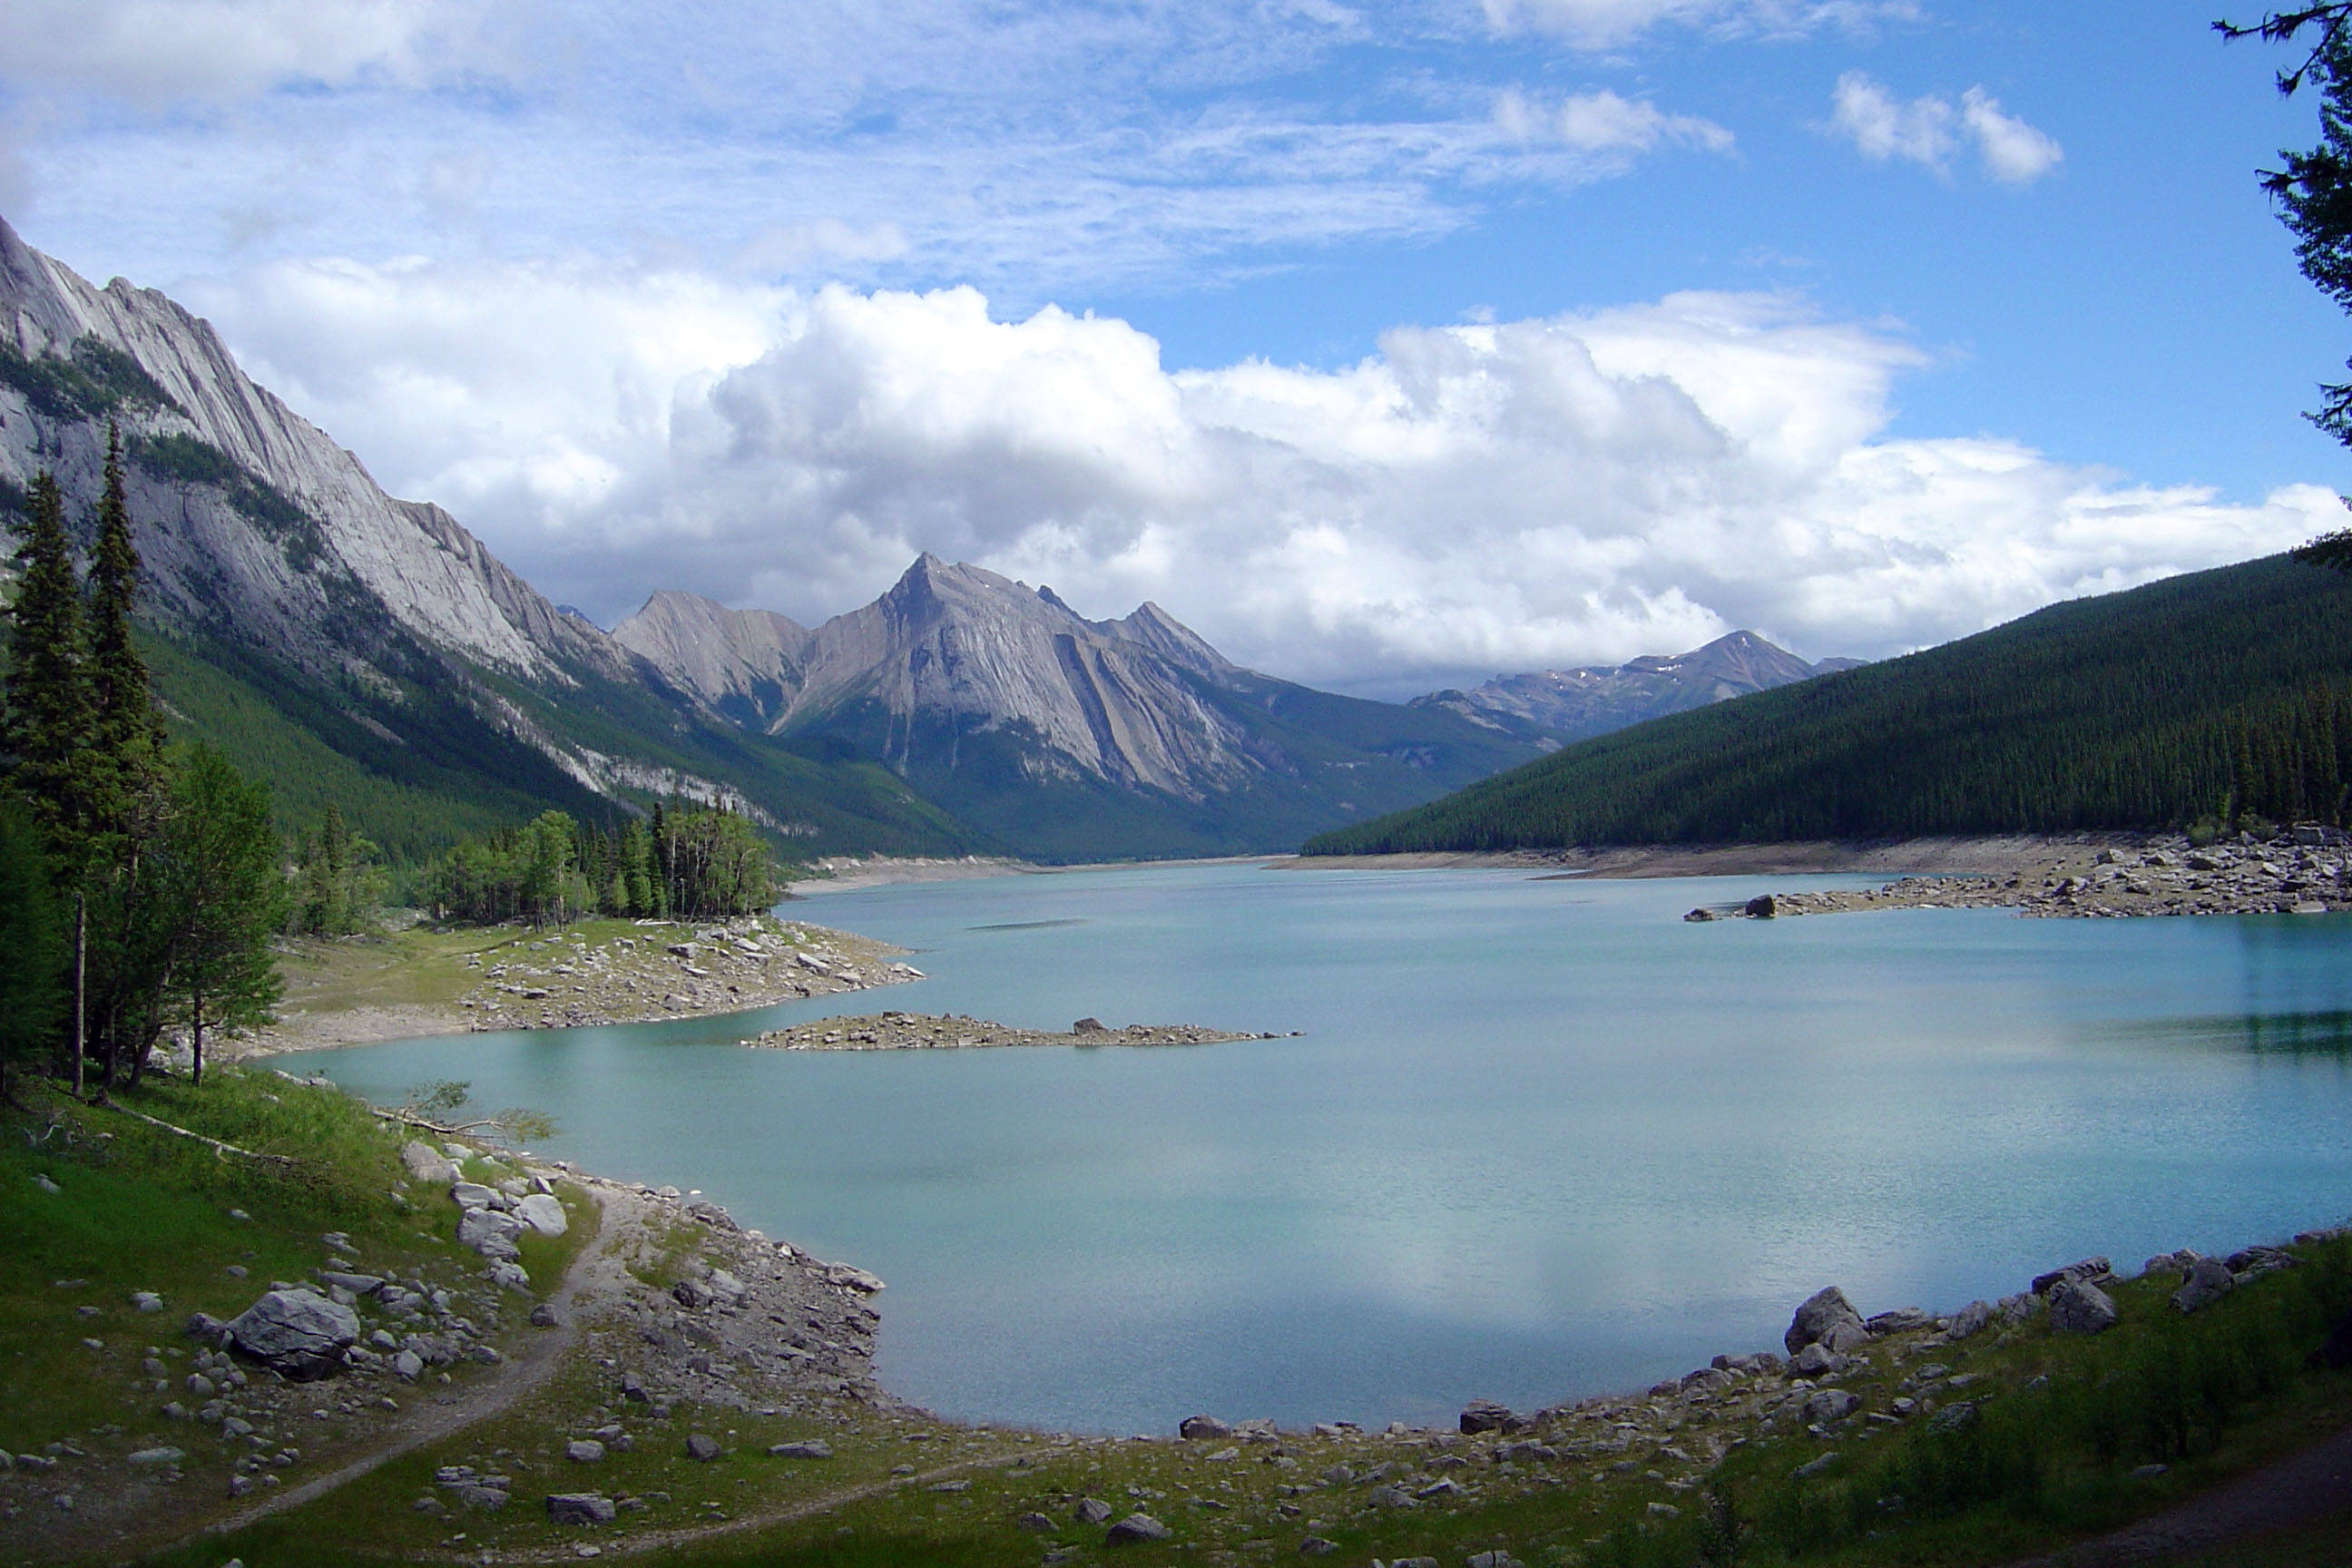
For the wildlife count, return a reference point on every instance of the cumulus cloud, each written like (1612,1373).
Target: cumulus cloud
(1470,498)
(2012,150)
(153,52)
(1603,122)
(1929,130)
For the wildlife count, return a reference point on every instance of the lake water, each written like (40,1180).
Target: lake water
(1540,1139)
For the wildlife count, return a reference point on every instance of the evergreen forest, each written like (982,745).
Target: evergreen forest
(2221,699)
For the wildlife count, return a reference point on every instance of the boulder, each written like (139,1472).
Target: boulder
(805,1448)
(1485,1415)
(296,1333)
(1091,1511)
(2090,1271)
(851,1277)
(474,1195)
(2078,1308)
(1955,1417)
(2179,1262)
(490,1233)
(1901,1320)
(1830,1405)
(1826,1318)
(580,1508)
(702,1448)
(543,1214)
(1814,1361)
(507,1275)
(426,1164)
(1969,1320)
(1137,1527)
(1201,1429)
(1701,913)
(1762,907)
(1088,1026)
(2207,1281)
(691,1294)
(584,1450)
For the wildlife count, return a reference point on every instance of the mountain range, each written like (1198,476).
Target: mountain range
(1554,705)
(367,650)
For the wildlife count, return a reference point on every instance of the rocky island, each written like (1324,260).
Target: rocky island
(896,1031)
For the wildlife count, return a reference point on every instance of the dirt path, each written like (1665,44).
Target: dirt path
(594,1275)
(2298,1489)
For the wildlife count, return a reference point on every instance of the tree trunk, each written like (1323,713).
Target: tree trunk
(81,952)
(196,1036)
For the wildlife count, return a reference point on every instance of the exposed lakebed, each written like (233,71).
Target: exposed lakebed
(1540,1138)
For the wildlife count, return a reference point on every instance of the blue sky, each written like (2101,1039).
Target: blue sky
(1390,345)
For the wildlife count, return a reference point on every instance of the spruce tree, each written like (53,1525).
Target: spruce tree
(51,709)
(223,895)
(127,732)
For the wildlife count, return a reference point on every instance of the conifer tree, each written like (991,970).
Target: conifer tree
(32,980)
(50,706)
(49,716)
(127,732)
(221,890)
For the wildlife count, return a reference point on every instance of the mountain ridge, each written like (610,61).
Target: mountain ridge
(1592,700)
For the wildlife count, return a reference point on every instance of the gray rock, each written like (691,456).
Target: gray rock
(1955,1417)
(473,1196)
(1762,907)
(426,1164)
(1199,1429)
(1315,1546)
(508,1276)
(1088,1026)
(1090,1510)
(545,1316)
(2079,1308)
(2209,1281)
(150,1458)
(1826,1318)
(580,1508)
(702,1446)
(1831,1404)
(1699,914)
(490,1233)
(1812,1467)
(691,1294)
(203,1328)
(1391,1497)
(2179,1262)
(488,1500)
(1137,1527)
(1036,1522)
(2090,1270)
(804,1448)
(357,1284)
(543,1214)
(408,1366)
(297,1332)
(1969,1320)
(1901,1320)
(584,1451)
(850,1277)
(1815,1360)
(1485,1415)
(146,1301)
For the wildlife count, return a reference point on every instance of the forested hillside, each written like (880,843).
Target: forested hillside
(2218,695)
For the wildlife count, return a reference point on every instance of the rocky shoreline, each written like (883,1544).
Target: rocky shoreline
(562,979)
(897,1031)
(2305,872)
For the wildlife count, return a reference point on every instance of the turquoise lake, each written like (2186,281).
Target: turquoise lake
(1540,1138)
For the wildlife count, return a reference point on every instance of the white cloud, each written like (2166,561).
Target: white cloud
(152,52)
(1604,123)
(2012,150)
(1471,498)
(1606,24)
(1928,131)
